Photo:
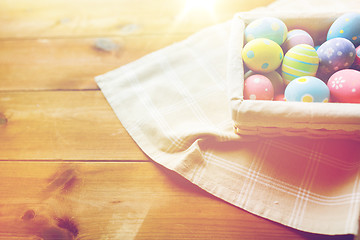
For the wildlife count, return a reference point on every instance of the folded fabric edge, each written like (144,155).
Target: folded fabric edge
(107,80)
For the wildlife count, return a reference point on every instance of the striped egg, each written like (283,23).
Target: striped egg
(295,37)
(301,60)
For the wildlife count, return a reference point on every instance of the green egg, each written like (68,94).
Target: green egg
(301,60)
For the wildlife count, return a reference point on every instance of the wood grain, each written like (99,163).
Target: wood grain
(63,64)
(61,125)
(119,201)
(68,168)
(42,19)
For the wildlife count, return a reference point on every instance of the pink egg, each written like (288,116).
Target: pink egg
(344,86)
(279,97)
(258,87)
(275,78)
(356,64)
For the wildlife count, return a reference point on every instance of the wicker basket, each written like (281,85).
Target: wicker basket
(278,118)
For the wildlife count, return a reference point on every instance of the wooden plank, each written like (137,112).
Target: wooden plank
(75,125)
(45,64)
(120,201)
(41,18)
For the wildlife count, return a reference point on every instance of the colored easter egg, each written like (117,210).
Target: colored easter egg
(335,54)
(262,55)
(274,77)
(344,86)
(346,26)
(296,37)
(279,97)
(258,87)
(307,89)
(301,60)
(267,27)
(356,64)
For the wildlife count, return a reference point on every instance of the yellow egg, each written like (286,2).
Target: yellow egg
(262,55)
(301,60)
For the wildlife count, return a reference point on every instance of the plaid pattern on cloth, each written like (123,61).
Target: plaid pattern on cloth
(174,104)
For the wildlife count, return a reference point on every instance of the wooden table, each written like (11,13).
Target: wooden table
(68,167)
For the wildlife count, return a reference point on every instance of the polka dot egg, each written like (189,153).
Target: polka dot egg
(262,55)
(346,26)
(275,78)
(307,89)
(301,60)
(295,37)
(267,27)
(258,87)
(344,86)
(335,54)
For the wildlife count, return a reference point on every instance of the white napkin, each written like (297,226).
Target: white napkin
(174,103)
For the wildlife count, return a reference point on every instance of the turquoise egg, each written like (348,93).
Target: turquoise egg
(307,89)
(346,26)
(267,27)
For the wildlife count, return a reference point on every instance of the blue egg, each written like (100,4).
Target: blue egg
(346,26)
(307,89)
(266,27)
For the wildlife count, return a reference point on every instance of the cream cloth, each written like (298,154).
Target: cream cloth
(174,103)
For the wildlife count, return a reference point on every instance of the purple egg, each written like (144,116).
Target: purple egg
(296,37)
(335,54)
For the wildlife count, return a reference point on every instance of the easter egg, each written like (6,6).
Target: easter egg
(274,77)
(344,86)
(262,55)
(346,26)
(335,54)
(356,64)
(296,37)
(267,27)
(301,60)
(307,89)
(258,87)
(279,97)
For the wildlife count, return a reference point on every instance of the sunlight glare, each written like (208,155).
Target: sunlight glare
(207,5)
